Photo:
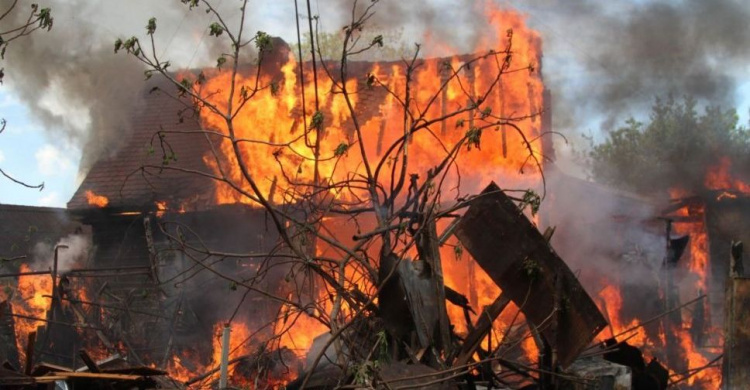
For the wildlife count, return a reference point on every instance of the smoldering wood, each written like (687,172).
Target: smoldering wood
(8,334)
(673,251)
(88,361)
(735,260)
(429,252)
(392,299)
(520,261)
(28,365)
(736,325)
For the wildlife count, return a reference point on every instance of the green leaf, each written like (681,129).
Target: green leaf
(341,149)
(378,40)
(460,123)
(263,41)
(486,112)
(532,199)
(118,45)
(317,121)
(215,29)
(473,138)
(45,19)
(458,251)
(220,61)
(191,3)
(185,86)
(151,26)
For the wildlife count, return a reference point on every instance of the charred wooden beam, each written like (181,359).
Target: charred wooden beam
(29,364)
(736,325)
(520,261)
(429,251)
(72,325)
(88,361)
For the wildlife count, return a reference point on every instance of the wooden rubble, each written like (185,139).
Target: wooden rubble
(424,351)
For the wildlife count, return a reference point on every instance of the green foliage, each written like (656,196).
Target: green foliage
(44,17)
(317,121)
(215,29)
(675,148)
(458,251)
(191,3)
(131,46)
(220,61)
(151,26)
(532,268)
(185,86)
(486,112)
(263,41)
(533,200)
(473,138)
(341,149)
(329,45)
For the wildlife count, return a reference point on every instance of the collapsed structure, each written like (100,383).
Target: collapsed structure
(153,256)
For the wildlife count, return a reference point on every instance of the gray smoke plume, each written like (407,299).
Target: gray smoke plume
(608,60)
(74,84)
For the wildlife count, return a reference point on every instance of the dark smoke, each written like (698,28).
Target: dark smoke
(692,48)
(608,60)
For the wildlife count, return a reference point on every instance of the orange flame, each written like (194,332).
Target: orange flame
(96,200)
(719,177)
(30,302)
(277,152)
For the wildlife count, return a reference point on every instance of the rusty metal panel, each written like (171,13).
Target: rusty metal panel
(520,261)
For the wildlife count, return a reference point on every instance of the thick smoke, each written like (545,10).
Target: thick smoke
(74,84)
(76,255)
(437,25)
(609,60)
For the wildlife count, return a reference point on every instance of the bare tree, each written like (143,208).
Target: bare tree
(10,31)
(394,204)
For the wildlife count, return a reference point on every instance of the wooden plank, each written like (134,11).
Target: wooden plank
(429,251)
(735,374)
(30,353)
(516,256)
(89,362)
(483,326)
(92,375)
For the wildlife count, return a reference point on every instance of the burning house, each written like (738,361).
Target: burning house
(166,243)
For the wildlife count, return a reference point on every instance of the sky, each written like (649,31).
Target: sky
(603,61)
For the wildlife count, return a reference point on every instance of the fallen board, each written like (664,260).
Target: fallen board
(511,250)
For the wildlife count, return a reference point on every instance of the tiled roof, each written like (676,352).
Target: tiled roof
(119,177)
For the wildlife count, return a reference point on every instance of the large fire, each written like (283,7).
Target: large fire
(719,177)
(276,147)
(31,305)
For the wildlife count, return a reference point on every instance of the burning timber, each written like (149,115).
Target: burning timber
(481,302)
(121,315)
